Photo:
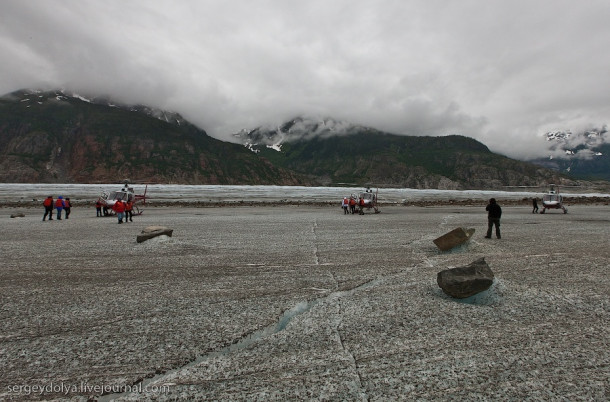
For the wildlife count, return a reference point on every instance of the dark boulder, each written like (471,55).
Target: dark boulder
(463,282)
(453,239)
(153,231)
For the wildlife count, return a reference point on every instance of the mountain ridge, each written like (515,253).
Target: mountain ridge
(347,153)
(55,136)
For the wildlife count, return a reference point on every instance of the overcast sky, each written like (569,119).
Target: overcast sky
(503,72)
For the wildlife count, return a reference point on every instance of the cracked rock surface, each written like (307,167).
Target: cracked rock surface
(83,306)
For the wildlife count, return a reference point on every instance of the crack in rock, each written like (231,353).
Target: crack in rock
(242,343)
(316,252)
(352,359)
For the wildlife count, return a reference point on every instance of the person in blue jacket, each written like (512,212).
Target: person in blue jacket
(59,206)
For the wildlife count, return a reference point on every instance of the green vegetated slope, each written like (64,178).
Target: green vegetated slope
(376,158)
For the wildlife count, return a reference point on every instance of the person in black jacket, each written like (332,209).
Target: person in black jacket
(494,213)
(535,206)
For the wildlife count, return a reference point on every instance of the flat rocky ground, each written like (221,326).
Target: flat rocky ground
(316,305)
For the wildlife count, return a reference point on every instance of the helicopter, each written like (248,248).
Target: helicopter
(368,200)
(127,193)
(553,200)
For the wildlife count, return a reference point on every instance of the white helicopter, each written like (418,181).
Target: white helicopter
(368,200)
(108,199)
(553,200)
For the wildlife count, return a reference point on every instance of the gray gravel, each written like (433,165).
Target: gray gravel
(85,309)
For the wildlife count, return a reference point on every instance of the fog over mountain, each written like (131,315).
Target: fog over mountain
(505,73)
(582,145)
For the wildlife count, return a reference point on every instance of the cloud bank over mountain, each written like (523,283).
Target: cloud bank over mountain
(580,145)
(505,73)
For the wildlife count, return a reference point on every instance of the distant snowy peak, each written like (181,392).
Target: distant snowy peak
(300,128)
(579,145)
(592,135)
(558,135)
(40,97)
(164,115)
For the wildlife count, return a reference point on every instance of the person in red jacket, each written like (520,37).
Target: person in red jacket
(48,208)
(67,206)
(129,211)
(59,206)
(119,208)
(352,205)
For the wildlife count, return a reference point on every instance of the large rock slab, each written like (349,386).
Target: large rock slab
(454,238)
(153,231)
(463,282)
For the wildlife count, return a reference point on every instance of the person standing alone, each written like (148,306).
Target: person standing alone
(494,213)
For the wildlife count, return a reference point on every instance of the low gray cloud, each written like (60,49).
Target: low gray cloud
(502,72)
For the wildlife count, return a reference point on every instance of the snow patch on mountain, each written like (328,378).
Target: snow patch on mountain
(77,96)
(66,96)
(300,128)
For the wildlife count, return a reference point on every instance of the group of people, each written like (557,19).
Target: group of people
(124,210)
(60,205)
(349,205)
(102,210)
